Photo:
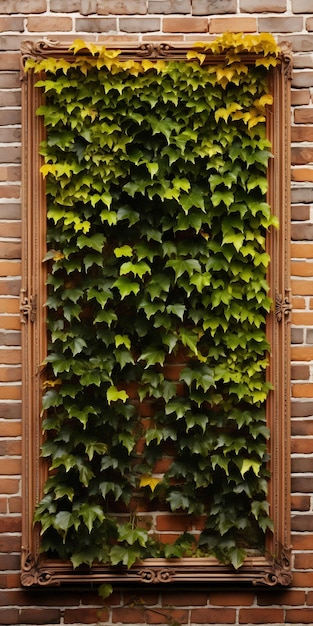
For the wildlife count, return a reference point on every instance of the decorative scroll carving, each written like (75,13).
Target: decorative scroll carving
(282,307)
(28,307)
(286,53)
(280,573)
(162,575)
(32,575)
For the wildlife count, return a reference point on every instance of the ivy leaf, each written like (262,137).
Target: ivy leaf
(118,554)
(126,286)
(123,251)
(114,394)
(153,356)
(177,500)
(249,464)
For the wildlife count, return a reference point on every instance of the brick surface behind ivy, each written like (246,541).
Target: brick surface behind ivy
(142,20)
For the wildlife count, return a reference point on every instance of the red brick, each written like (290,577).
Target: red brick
(10,543)
(10,447)
(12,356)
(173,522)
(288,596)
(261,616)
(159,616)
(296,616)
(300,503)
(9,485)
(40,616)
(233,25)
(232,598)
(10,466)
(302,174)
(10,250)
(301,156)
(302,390)
(302,446)
(10,524)
(300,372)
(213,616)
(86,615)
(10,60)
(176,598)
(9,616)
(10,172)
(304,115)
(10,268)
(10,287)
(126,615)
(300,96)
(302,353)
(305,561)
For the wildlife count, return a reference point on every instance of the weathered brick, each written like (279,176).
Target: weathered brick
(302,194)
(302,427)
(213,7)
(304,115)
(64,6)
(300,43)
(122,7)
(185,25)
(302,133)
(302,79)
(302,466)
(139,25)
(10,211)
(302,6)
(10,250)
(302,232)
(300,372)
(26,6)
(49,24)
(9,60)
(302,60)
(257,6)
(10,116)
(300,96)
(10,80)
(280,24)
(8,338)
(10,98)
(169,6)
(297,335)
(95,24)
(11,24)
(309,24)
(10,173)
(300,213)
(233,25)
(301,409)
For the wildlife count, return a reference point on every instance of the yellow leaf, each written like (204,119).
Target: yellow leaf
(192,54)
(47,384)
(58,255)
(149,481)
(48,168)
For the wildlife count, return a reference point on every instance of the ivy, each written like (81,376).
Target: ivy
(156,178)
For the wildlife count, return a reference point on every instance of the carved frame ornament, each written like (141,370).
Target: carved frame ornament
(275,567)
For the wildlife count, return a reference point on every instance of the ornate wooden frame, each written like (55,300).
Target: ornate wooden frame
(270,570)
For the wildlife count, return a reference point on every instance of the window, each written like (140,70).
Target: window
(268,565)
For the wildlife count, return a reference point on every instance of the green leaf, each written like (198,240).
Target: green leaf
(114,394)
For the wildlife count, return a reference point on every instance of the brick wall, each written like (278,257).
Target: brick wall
(167,20)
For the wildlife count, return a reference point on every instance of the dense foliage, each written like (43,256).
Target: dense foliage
(157,216)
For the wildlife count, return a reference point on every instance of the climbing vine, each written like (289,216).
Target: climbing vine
(156,176)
